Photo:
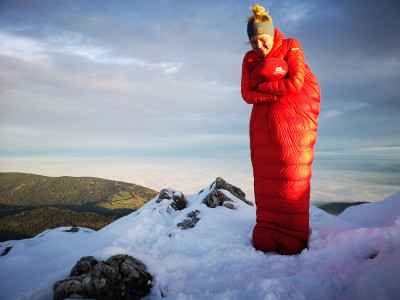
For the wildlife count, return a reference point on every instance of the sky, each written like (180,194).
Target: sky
(160,80)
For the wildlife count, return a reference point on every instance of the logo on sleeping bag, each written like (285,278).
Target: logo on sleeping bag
(279,71)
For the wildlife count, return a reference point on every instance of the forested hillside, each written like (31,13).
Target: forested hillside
(32,203)
(30,189)
(32,222)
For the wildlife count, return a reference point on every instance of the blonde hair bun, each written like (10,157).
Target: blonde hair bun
(259,14)
(258,10)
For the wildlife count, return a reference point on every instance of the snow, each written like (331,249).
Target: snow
(353,256)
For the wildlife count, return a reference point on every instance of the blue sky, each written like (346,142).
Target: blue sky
(162,78)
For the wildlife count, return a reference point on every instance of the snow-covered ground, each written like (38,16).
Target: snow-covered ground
(353,256)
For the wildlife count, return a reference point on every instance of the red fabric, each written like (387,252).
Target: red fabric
(268,69)
(283,131)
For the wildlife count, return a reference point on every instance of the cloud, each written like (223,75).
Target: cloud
(126,72)
(19,47)
(380,148)
(330,114)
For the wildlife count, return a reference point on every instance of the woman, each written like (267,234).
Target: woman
(283,131)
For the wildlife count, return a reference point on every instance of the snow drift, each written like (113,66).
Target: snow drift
(353,256)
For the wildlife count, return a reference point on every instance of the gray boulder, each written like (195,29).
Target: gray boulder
(179,202)
(217,198)
(190,221)
(221,184)
(120,277)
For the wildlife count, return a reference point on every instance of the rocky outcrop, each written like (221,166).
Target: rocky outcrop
(218,198)
(221,184)
(178,199)
(5,252)
(120,277)
(190,221)
(220,193)
(72,229)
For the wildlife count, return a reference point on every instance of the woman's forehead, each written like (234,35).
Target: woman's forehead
(260,36)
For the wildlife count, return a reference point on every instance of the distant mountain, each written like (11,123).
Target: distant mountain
(336,208)
(31,203)
(30,190)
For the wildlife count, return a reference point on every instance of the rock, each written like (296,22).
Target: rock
(69,288)
(221,184)
(120,277)
(216,198)
(190,221)
(234,190)
(83,266)
(229,205)
(76,296)
(5,252)
(179,201)
(72,229)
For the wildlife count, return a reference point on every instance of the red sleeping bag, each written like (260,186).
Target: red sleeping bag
(283,131)
(268,69)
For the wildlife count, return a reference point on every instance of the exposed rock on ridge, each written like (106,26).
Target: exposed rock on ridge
(120,277)
(178,199)
(190,221)
(220,193)
(218,198)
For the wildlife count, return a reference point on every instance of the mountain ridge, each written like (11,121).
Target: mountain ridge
(32,189)
(31,203)
(200,247)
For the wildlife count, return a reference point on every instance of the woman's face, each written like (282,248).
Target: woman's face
(262,43)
